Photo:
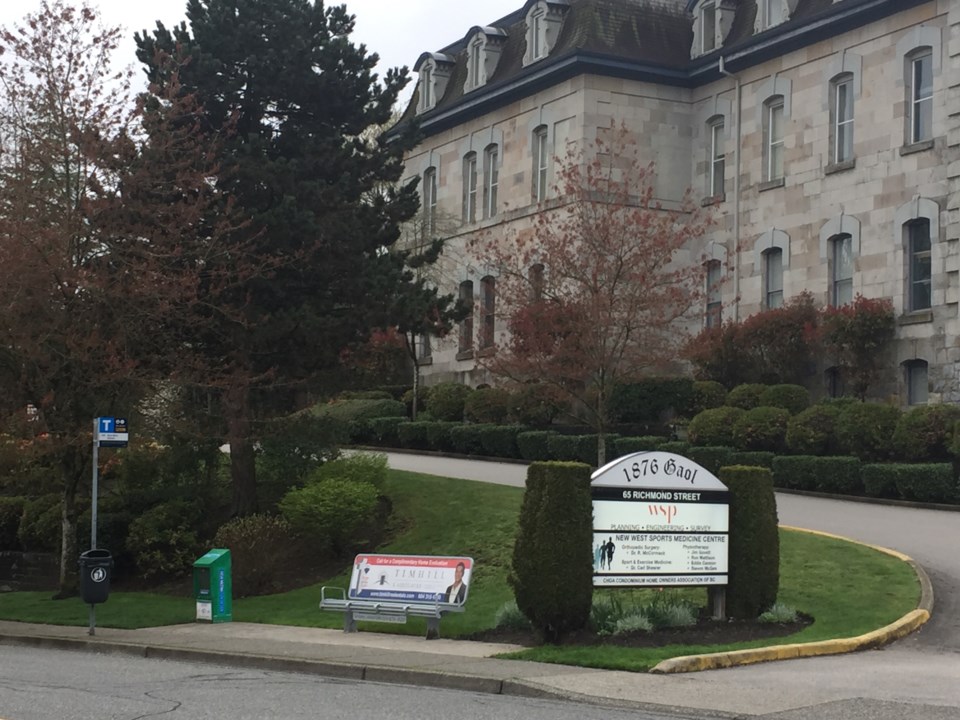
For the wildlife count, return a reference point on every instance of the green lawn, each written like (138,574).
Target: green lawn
(847,588)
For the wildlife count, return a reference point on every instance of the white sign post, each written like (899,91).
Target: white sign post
(660,519)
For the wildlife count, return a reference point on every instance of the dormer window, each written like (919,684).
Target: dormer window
(434,70)
(544,19)
(708,27)
(484,46)
(771,13)
(712,21)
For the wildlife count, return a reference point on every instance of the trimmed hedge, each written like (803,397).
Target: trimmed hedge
(415,435)
(839,475)
(866,430)
(650,400)
(714,427)
(754,553)
(629,445)
(446,400)
(923,434)
(384,431)
(677,447)
(746,396)
(501,440)
(711,458)
(793,398)
(925,482)
(813,431)
(360,409)
(534,445)
(552,574)
(535,404)
(707,394)
(756,458)
(762,428)
(880,480)
(467,439)
(487,405)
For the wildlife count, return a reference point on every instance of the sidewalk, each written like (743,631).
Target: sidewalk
(922,685)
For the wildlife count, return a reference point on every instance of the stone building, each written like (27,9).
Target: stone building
(827,132)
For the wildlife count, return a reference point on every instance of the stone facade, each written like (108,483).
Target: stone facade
(867,203)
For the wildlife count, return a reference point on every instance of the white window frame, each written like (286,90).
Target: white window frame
(488,308)
(476,63)
(470,187)
(771,17)
(716,171)
(465,293)
(842,127)
(426,84)
(491,179)
(841,286)
(774,146)
(536,34)
(713,315)
(429,200)
(916,281)
(708,27)
(541,163)
(773,278)
(917,379)
(919,99)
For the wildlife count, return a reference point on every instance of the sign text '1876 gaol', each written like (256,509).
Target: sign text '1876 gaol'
(658,519)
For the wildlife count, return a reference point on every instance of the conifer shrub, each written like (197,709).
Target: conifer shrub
(706,395)
(711,458)
(813,431)
(467,439)
(746,396)
(487,405)
(534,445)
(552,571)
(762,428)
(923,433)
(866,430)
(754,551)
(446,401)
(714,426)
(794,398)
(501,440)
(628,445)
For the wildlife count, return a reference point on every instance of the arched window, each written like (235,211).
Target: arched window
(429,200)
(491,180)
(466,325)
(919,76)
(841,118)
(918,251)
(773,130)
(773,278)
(470,187)
(488,306)
(713,315)
(541,159)
(841,270)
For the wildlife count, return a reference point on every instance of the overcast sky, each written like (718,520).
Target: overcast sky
(397,30)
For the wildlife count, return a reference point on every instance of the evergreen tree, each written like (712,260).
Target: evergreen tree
(323,204)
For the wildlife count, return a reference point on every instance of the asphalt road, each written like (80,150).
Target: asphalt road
(43,684)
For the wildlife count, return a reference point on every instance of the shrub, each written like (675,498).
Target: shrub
(635,622)
(446,401)
(536,404)
(552,575)
(333,514)
(794,398)
(755,458)
(564,447)
(385,431)
(778,613)
(782,343)
(163,540)
(857,335)
(407,399)
(467,439)
(487,405)
(923,434)
(347,411)
(926,482)
(11,510)
(500,440)
(671,613)
(707,394)
(438,435)
(509,617)
(754,552)
(39,529)
(813,431)
(650,400)
(263,550)
(606,610)
(415,435)
(534,444)
(880,480)
(866,430)
(746,396)
(714,427)
(824,474)
(710,457)
(365,395)
(356,467)
(763,428)
(677,447)
(629,445)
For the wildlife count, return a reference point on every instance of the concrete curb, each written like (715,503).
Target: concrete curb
(907,624)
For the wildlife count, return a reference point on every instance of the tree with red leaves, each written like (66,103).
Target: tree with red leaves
(601,288)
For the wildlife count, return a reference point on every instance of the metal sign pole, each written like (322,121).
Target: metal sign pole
(93,511)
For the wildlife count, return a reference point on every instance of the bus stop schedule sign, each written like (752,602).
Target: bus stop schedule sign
(112,432)
(658,519)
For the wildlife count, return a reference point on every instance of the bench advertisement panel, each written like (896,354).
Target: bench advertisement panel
(411,578)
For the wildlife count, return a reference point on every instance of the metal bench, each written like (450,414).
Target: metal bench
(391,611)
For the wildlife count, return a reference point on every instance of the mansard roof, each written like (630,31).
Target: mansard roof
(638,39)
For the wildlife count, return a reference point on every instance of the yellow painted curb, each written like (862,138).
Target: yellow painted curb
(910,622)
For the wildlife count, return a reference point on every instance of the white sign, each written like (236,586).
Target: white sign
(204,611)
(416,578)
(112,432)
(659,519)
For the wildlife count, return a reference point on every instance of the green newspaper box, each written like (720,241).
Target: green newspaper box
(213,587)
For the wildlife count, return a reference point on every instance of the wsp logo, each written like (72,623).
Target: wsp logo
(667,511)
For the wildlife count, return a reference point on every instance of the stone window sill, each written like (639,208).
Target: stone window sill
(465,355)
(713,200)
(771,184)
(916,147)
(840,166)
(916,317)
(425,361)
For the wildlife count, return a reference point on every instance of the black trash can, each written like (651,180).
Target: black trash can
(96,567)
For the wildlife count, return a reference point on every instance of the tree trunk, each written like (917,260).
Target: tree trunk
(416,390)
(71,468)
